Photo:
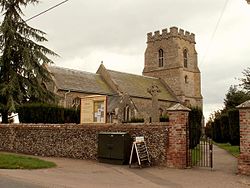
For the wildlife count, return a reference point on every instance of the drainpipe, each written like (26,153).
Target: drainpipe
(65,96)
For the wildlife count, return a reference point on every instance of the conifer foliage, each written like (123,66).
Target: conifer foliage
(21,59)
(246,79)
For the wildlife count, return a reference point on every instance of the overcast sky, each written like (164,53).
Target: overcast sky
(84,33)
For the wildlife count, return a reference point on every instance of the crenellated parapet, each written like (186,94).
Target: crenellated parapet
(173,32)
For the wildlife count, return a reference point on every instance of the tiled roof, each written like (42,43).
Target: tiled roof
(137,85)
(113,102)
(74,80)
(246,104)
(178,107)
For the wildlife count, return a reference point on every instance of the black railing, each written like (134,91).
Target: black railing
(201,154)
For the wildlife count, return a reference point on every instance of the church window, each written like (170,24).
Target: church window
(185,58)
(187,103)
(76,102)
(161,58)
(126,114)
(186,79)
(160,112)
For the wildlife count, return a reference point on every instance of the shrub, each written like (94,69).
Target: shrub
(164,118)
(47,113)
(136,120)
(234,127)
(224,124)
(217,136)
(195,126)
(71,115)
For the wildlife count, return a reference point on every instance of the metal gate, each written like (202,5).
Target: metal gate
(200,149)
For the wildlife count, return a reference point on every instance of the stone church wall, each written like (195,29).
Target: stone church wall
(67,98)
(144,107)
(183,80)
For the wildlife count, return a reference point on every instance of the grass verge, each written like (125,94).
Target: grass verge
(14,161)
(196,157)
(234,150)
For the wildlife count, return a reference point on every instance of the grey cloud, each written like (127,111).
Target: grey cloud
(80,28)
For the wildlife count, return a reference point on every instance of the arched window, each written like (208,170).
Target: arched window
(161,58)
(76,102)
(126,114)
(185,58)
(160,112)
(186,79)
(187,103)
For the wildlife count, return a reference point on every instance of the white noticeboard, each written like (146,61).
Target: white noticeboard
(139,139)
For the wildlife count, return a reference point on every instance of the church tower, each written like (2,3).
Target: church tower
(171,56)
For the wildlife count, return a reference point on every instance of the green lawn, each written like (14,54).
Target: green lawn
(14,161)
(234,150)
(195,155)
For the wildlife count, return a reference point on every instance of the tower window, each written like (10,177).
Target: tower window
(186,79)
(185,58)
(187,102)
(161,57)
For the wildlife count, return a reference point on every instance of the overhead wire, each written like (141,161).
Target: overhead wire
(215,30)
(47,10)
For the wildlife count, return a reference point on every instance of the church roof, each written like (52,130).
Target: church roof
(113,102)
(80,81)
(137,85)
(97,83)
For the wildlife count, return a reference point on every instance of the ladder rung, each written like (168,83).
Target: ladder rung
(141,151)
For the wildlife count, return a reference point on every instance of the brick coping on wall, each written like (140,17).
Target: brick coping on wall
(70,125)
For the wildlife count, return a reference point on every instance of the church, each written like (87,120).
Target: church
(170,70)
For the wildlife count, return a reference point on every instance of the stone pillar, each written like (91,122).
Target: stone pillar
(178,137)
(244,158)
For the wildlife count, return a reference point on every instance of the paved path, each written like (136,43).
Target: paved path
(13,183)
(81,173)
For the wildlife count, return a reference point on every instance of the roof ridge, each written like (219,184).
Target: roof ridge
(133,74)
(72,70)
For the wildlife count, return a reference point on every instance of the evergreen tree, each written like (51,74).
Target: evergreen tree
(21,59)
(235,97)
(246,79)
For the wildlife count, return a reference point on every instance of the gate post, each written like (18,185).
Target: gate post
(244,158)
(178,137)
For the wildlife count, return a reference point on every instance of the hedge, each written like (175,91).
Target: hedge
(234,126)
(224,127)
(225,137)
(47,113)
(195,126)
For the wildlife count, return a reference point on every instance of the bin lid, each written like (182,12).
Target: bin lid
(117,133)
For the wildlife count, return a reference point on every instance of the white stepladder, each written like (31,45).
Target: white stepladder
(139,146)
